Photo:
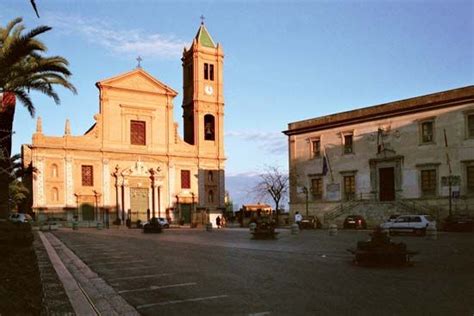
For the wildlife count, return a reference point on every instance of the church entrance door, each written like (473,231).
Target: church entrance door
(138,204)
(387,184)
(186,213)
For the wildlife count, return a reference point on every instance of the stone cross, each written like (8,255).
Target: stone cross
(139,59)
(202,19)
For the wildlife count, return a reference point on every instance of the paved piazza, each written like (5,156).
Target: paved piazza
(191,271)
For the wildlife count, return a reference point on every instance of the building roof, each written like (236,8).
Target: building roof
(402,107)
(204,37)
(256,207)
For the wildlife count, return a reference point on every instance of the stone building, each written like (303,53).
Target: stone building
(407,156)
(132,163)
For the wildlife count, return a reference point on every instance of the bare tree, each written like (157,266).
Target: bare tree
(273,183)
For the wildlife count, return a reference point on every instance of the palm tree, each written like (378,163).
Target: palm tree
(23,68)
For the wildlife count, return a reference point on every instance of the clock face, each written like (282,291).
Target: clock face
(208,90)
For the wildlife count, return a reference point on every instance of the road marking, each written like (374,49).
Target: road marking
(115,262)
(157,287)
(197,299)
(130,268)
(140,277)
(260,314)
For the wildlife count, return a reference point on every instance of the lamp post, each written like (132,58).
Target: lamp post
(192,208)
(117,211)
(305,191)
(152,172)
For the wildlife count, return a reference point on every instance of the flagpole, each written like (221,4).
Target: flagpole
(329,164)
(448,161)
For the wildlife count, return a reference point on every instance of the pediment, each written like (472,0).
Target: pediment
(137,80)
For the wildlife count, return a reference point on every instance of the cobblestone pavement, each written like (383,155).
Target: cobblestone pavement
(191,271)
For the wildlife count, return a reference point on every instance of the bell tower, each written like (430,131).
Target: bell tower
(203,101)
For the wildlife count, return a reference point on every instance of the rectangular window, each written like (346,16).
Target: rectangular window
(137,132)
(316,148)
(470,126)
(185,179)
(470,179)
(206,71)
(427,132)
(317,188)
(349,187)
(428,182)
(348,144)
(87,176)
(211,72)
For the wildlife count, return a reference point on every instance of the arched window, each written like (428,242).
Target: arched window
(210,176)
(210,196)
(55,194)
(54,170)
(209,127)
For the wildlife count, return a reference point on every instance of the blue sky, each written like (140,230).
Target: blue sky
(284,60)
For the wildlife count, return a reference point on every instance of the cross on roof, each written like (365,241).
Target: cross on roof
(202,19)
(139,59)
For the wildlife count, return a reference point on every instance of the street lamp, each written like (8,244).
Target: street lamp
(306,193)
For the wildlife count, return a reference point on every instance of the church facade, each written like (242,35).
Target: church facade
(409,156)
(132,164)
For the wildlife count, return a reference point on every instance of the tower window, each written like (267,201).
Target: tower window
(208,71)
(316,148)
(470,126)
(210,177)
(211,72)
(317,188)
(185,179)
(55,194)
(209,127)
(470,179)
(87,176)
(54,170)
(137,133)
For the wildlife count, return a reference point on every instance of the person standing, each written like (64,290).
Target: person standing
(218,222)
(298,219)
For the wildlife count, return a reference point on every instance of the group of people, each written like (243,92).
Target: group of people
(220,222)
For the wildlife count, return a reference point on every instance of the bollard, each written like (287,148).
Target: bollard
(100,226)
(332,230)
(75,225)
(295,229)
(252,227)
(209,227)
(431,232)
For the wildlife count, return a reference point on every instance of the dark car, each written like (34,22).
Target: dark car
(153,226)
(310,222)
(354,222)
(459,223)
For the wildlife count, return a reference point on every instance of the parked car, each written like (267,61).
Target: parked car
(459,222)
(310,222)
(355,222)
(415,224)
(152,226)
(163,222)
(20,218)
(393,217)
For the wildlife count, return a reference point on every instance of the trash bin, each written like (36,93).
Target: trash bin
(75,225)
(100,226)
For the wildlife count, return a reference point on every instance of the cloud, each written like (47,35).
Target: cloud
(119,41)
(272,142)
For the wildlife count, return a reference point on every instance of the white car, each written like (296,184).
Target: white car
(20,218)
(162,221)
(416,224)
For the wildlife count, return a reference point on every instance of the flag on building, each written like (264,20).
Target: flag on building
(325,165)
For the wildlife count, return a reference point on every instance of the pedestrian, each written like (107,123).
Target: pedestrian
(218,222)
(223,221)
(298,219)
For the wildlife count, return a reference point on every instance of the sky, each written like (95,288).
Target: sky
(285,61)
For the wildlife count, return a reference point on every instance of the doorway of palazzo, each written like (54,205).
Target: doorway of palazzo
(186,213)
(387,184)
(138,204)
